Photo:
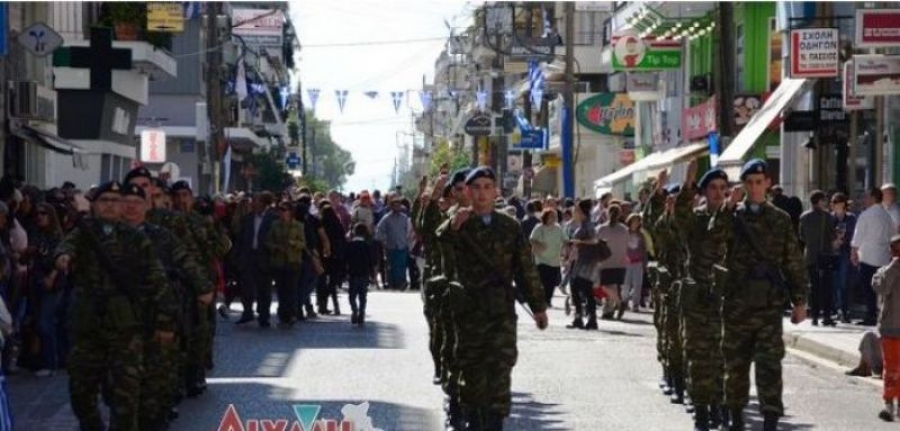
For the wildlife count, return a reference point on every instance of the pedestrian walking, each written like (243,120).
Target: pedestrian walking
(886,283)
(361,271)
(870,249)
(547,241)
(284,243)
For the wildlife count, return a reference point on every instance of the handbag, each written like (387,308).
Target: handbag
(595,253)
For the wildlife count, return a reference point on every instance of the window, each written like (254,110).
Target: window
(105,165)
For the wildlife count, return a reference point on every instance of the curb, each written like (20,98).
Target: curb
(821,350)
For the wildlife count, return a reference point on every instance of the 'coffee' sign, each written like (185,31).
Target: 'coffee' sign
(607,113)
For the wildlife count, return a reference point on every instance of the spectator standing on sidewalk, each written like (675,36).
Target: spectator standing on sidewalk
(612,270)
(393,233)
(889,202)
(845,226)
(871,248)
(817,234)
(886,283)
(637,259)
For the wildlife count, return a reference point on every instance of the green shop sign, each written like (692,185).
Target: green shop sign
(630,52)
(607,113)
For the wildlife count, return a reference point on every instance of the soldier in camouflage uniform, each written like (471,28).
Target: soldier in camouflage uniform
(117,278)
(658,277)
(483,252)
(701,299)
(765,267)
(161,360)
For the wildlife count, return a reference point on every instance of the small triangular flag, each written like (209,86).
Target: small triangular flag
(341,98)
(397,98)
(371,94)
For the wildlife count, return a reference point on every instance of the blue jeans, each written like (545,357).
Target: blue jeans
(841,302)
(397,262)
(359,289)
(48,324)
(308,280)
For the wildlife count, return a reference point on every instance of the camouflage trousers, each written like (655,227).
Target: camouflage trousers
(653,275)
(486,353)
(672,326)
(158,387)
(431,305)
(701,332)
(199,343)
(93,359)
(752,335)
(446,324)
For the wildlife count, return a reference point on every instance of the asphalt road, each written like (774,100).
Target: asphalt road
(565,379)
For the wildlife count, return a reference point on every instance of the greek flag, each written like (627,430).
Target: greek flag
(548,27)
(535,83)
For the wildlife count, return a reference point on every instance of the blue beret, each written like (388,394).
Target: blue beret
(755,166)
(138,172)
(133,190)
(712,174)
(481,172)
(459,176)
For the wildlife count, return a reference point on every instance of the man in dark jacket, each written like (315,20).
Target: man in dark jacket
(817,234)
(256,285)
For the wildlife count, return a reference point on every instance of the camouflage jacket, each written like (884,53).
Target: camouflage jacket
(428,224)
(177,224)
(703,251)
(501,241)
(101,303)
(667,240)
(285,243)
(180,265)
(774,233)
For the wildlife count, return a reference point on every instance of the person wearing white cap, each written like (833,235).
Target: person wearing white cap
(889,202)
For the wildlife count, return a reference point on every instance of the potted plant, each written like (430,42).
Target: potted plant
(127,18)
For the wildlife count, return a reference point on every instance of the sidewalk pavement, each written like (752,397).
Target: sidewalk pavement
(838,344)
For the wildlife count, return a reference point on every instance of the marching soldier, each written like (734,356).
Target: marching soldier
(658,277)
(117,275)
(701,298)
(483,252)
(765,267)
(162,360)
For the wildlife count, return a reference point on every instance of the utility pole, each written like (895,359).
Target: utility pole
(497,151)
(214,105)
(724,76)
(568,111)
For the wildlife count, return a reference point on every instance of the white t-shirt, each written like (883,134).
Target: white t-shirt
(872,238)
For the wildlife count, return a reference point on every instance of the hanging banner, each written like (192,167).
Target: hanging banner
(876,75)
(313,97)
(630,52)
(153,146)
(877,28)
(397,98)
(341,98)
(851,101)
(607,113)
(698,121)
(814,53)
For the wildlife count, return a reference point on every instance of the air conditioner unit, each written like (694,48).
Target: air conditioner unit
(24,102)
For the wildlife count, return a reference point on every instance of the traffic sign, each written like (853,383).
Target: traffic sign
(40,39)
(293,161)
(532,139)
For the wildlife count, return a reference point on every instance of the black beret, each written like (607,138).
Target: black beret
(481,172)
(459,176)
(712,174)
(138,172)
(448,190)
(755,166)
(109,187)
(161,185)
(133,190)
(673,189)
(180,185)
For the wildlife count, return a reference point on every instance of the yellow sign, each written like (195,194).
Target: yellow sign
(551,160)
(165,17)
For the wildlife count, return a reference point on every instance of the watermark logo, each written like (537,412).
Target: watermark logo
(355,418)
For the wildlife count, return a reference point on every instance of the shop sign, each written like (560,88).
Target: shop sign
(607,113)
(258,27)
(831,110)
(479,125)
(814,53)
(698,121)
(630,52)
(165,17)
(877,28)
(643,86)
(852,102)
(876,75)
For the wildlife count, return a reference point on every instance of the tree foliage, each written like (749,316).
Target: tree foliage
(445,153)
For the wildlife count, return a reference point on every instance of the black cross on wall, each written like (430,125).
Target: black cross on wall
(101,58)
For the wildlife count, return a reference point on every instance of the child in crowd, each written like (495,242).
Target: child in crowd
(360,269)
(886,283)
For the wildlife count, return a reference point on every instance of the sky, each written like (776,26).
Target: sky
(369,128)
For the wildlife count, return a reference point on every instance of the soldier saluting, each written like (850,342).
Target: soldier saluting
(484,251)
(765,267)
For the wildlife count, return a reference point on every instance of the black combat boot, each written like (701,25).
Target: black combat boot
(591,324)
(455,419)
(701,418)
(737,420)
(669,389)
(474,420)
(688,404)
(770,421)
(678,391)
(493,421)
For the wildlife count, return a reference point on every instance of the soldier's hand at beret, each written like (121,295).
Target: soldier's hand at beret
(541,320)
(439,184)
(164,337)
(461,216)
(205,299)
(737,195)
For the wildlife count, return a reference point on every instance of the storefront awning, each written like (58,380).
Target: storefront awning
(47,140)
(733,156)
(625,173)
(676,155)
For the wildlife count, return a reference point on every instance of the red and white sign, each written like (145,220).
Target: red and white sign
(853,102)
(153,146)
(698,121)
(876,28)
(876,75)
(814,53)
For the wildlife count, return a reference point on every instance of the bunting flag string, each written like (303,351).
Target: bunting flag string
(397,98)
(313,97)
(371,94)
(341,98)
